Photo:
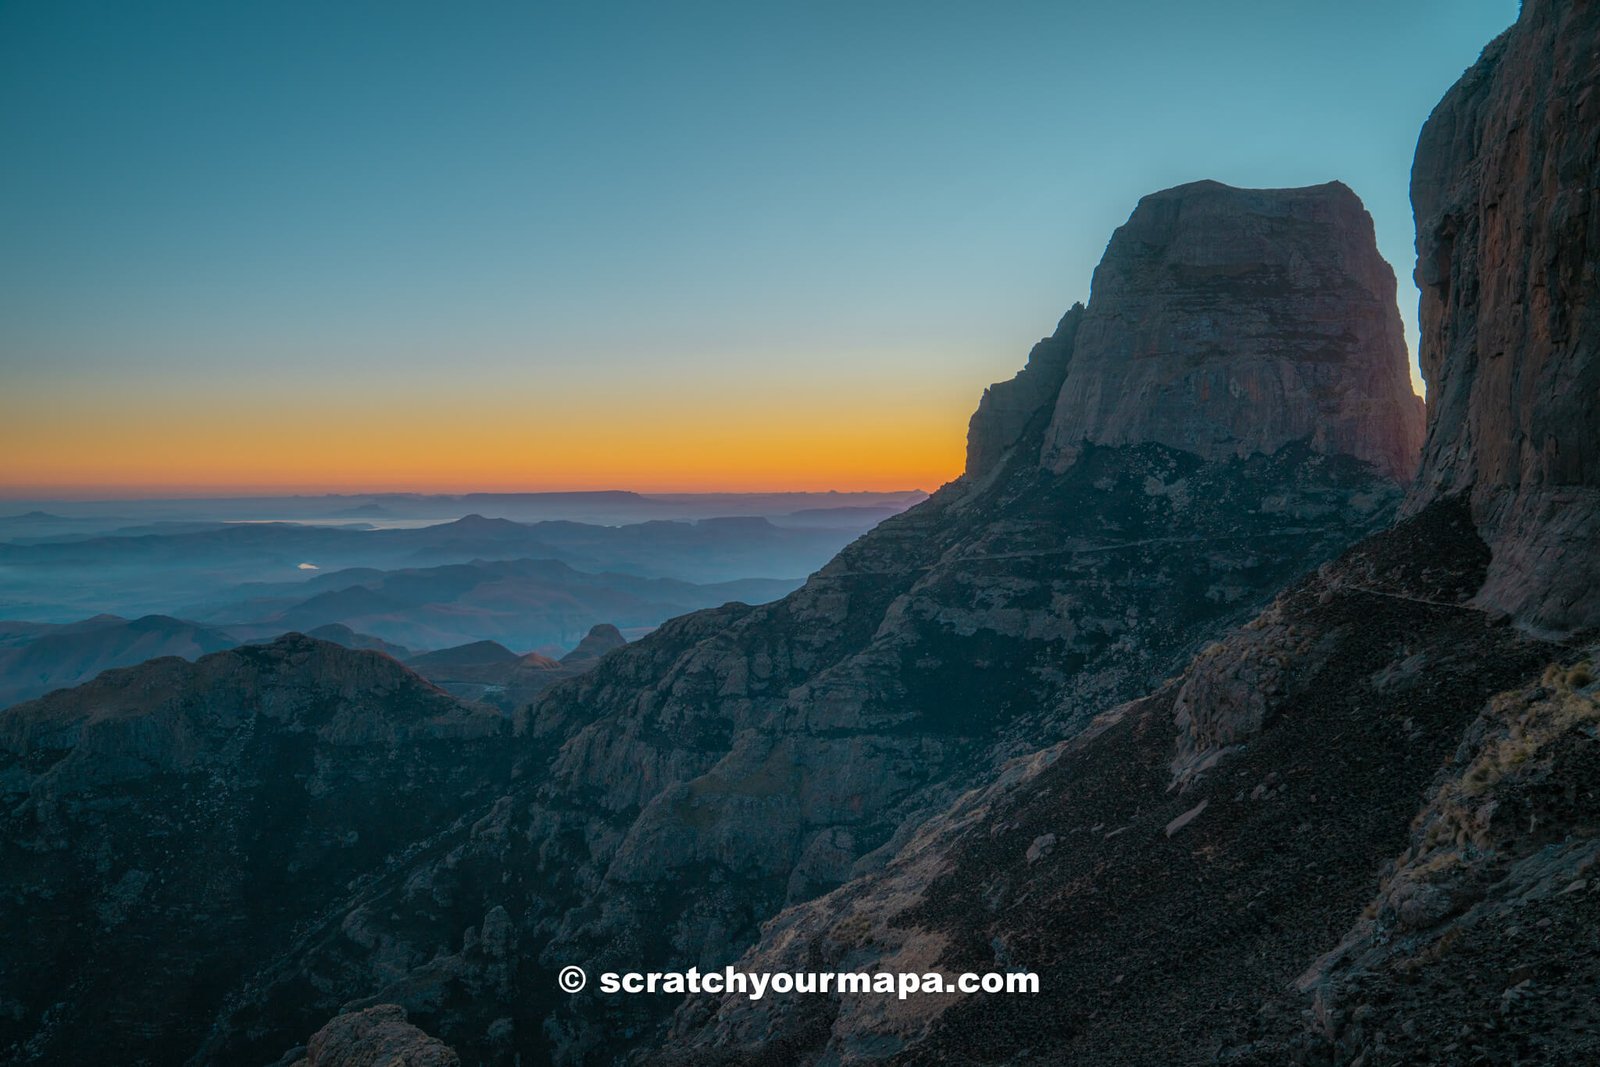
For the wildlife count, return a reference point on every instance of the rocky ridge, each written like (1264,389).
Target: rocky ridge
(742,759)
(1007,408)
(166,828)
(379,1036)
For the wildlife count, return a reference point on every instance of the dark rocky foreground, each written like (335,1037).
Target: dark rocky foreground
(1159,701)
(168,826)
(1185,875)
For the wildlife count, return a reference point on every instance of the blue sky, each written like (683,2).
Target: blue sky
(597,207)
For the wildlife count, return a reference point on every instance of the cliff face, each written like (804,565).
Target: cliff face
(742,759)
(1006,408)
(1229,321)
(1506,189)
(1179,872)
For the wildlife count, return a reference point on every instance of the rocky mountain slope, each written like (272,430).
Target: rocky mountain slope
(167,828)
(741,759)
(1183,860)
(38,657)
(1235,868)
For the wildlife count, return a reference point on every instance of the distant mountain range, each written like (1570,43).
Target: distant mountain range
(527,604)
(36,658)
(522,603)
(47,518)
(172,569)
(490,673)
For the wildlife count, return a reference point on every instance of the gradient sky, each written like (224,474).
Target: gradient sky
(422,245)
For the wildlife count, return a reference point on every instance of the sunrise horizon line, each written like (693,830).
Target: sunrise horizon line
(90,494)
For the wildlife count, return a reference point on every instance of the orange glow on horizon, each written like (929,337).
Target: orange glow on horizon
(281,440)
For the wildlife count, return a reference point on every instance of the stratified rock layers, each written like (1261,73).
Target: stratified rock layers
(1506,189)
(1229,321)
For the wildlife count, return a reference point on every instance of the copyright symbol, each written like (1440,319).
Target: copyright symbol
(572,979)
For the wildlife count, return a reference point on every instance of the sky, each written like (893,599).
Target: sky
(405,245)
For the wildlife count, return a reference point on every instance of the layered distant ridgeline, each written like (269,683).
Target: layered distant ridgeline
(187,569)
(527,603)
(38,657)
(1170,699)
(185,588)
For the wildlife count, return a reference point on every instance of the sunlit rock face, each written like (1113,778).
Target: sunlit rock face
(1506,189)
(1230,321)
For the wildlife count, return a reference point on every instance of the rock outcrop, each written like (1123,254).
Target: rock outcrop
(600,639)
(380,1036)
(1230,321)
(1006,408)
(1506,189)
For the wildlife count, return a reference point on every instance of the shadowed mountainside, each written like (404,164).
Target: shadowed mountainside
(743,758)
(38,657)
(1235,868)
(167,826)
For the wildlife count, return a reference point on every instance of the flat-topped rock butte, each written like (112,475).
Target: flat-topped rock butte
(1226,321)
